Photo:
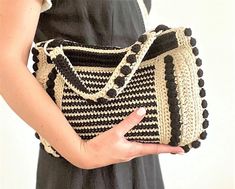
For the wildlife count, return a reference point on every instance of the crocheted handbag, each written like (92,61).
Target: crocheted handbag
(96,87)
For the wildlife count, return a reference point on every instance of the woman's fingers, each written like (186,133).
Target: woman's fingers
(130,121)
(140,149)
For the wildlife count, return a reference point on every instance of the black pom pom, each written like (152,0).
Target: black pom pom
(202,92)
(136,48)
(175,132)
(196,144)
(102,100)
(51,75)
(131,58)
(161,27)
(35,59)
(188,32)
(193,41)
(36,135)
(171,85)
(174,109)
(171,94)
(89,101)
(173,101)
(125,70)
(119,81)
(205,124)
(204,103)
(173,143)
(50,91)
(205,114)
(35,67)
(175,139)
(142,38)
(111,93)
(203,135)
(200,82)
(200,73)
(186,148)
(168,59)
(175,124)
(169,66)
(170,77)
(35,51)
(175,117)
(195,51)
(50,83)
(199,62)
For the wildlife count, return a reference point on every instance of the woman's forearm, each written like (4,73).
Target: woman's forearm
(25,95)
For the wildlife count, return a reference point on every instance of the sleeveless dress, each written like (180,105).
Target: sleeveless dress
(103,23)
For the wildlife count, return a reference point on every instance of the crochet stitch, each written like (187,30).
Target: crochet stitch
(96,87)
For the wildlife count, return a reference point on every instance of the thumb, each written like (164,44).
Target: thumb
(130,121)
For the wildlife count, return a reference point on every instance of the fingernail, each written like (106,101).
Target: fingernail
(141,111)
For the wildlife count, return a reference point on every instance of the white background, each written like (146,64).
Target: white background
(209,167)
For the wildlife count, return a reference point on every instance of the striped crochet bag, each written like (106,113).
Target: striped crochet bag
(96,87)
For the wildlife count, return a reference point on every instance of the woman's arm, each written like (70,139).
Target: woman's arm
(19,88)
(24,94)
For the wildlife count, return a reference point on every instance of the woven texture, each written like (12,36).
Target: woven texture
(97,87)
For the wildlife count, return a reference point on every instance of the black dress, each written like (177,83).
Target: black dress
(103,23)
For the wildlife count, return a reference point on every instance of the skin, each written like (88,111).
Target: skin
(27,98)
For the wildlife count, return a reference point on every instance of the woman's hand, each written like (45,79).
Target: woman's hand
(112,147)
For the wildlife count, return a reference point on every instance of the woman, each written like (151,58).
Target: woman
(96,164)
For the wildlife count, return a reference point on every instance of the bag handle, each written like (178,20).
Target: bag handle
(120,76)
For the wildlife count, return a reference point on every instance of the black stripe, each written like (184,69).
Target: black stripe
(162,44)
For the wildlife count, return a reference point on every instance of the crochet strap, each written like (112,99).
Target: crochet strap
(120,76)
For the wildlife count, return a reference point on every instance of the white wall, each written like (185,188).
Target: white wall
(209,167)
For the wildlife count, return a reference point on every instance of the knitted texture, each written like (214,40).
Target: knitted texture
(97,87)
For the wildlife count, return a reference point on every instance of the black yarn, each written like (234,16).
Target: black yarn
(188,32)
(35,67)
(161,27)
(186,148)
(203,135)
(119,81)
(200,82)
(168,59)
(51,76)
(199,62)
(205,124)
(102,100)
(36,135)
(142,38)
(131,58)
(35,51)
(135,48)
(35,59)
(111,93)
(193,42)
(205,113)
(125,70)
(200,72)
(195,51)
(196,144)
(50,83)
(204,103)
(49,60)
(202,92)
